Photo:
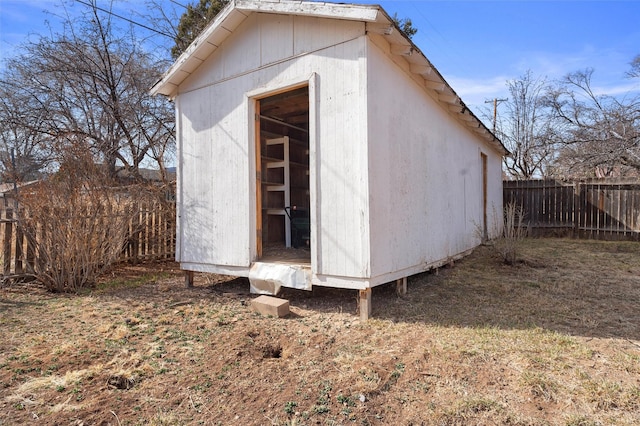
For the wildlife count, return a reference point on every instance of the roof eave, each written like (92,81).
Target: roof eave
(233,15)
(419,64)
(374,16)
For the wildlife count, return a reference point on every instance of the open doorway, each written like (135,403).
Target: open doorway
(283,174)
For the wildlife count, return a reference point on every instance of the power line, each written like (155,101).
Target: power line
(495,110)
(195,9)
(179,4)
(125,19)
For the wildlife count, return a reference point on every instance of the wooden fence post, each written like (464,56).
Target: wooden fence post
(8,235)
(19,255)
(576,209)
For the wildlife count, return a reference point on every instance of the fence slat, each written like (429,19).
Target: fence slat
(150,236)
(599,209)
(7,255)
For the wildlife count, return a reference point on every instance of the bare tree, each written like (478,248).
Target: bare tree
(23,151)
(25,140)
(634,72)
(91,82)
(601,133)
(525,129)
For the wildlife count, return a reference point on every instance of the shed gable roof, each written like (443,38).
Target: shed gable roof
(377,21)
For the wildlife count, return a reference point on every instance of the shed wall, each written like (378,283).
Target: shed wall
(217,222)
(426,174)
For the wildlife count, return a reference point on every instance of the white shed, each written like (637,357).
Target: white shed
(326,113)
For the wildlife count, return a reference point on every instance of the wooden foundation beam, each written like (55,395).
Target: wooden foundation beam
(401,286)
(365,304)
(188,278)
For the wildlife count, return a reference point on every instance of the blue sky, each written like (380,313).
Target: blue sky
(476,45)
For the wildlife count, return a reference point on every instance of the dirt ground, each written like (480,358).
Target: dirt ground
(552,340)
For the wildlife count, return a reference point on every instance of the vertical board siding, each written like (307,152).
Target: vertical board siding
(217,218)
(425,173)
(597,209)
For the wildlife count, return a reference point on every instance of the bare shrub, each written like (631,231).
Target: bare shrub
(513,232)
(76,223)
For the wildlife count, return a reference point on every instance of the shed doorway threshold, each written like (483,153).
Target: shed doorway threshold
(281,267)
(278,253)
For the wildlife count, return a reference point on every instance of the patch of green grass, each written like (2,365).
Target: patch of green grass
(322,403)
(290,407)
(320,409)
(345,400)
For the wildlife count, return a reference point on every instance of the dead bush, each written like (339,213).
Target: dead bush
(513,232)
(76,224)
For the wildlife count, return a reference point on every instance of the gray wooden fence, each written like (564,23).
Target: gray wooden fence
(597,209)
(150,237)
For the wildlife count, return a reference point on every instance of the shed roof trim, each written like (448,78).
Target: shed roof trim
(233,15)
(377,21)
(321,10)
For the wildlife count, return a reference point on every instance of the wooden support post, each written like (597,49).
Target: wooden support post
(365,304)
(401,286)
(188,279)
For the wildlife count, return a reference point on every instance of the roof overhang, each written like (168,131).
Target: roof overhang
(377,21)
(233,15)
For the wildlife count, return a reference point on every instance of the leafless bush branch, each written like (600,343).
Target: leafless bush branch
(79,222)
(513,232)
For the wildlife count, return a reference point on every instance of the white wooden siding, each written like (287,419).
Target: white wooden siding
(342,167)
(217,223)
(426,174)
(214,173)
(494,194)
(396,181)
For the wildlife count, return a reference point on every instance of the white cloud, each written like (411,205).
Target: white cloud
(475,91)
(624,88)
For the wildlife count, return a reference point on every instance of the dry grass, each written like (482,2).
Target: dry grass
(554,339)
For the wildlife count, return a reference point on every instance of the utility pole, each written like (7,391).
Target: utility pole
(495,110)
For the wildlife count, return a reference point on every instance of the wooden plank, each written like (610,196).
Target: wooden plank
(170,233)
(615,208)
(8,236)
(365,304)
(135,233)
(578,213)
(155,220)
(18,253)
(592,209)
(144,226)
(634,211)
(321,10)
(401,286)
(535,205)
(258,148)
(31,234)
(485,225)
(189,278)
